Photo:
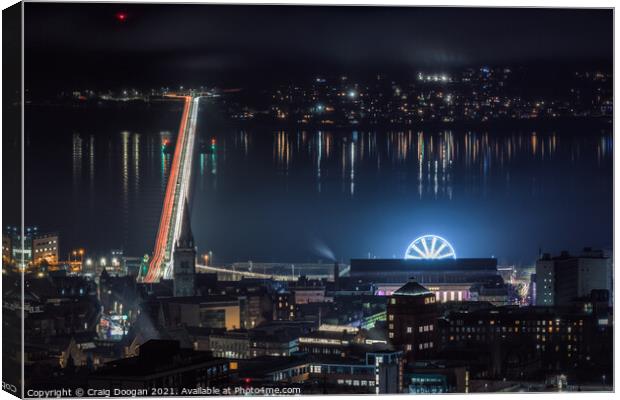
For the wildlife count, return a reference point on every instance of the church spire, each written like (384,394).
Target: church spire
(186,238)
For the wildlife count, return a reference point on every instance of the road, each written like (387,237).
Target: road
(177,191)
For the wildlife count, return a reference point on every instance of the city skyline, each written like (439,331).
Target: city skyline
(295,200)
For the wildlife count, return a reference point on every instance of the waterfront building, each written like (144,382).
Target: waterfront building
(450,279)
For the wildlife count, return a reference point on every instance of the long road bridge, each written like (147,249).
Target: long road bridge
(177,189)
(234,274)
(161,263)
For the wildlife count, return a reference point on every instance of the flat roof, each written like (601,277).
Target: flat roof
(400,264)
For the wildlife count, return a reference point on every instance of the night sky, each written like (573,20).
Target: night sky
(88,44)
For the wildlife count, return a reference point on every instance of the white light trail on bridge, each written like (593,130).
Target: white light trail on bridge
(177,190)
(184,182)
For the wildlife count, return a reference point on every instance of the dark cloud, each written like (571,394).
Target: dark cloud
(85,42)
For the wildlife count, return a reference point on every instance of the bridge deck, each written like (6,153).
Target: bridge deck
(176,192)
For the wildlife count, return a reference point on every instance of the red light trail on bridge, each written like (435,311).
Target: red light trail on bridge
(172,203)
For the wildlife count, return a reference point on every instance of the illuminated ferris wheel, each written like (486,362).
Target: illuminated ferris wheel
(429,247)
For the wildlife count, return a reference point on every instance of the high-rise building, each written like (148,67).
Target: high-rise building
(184,268)
(412,320)
(560,280)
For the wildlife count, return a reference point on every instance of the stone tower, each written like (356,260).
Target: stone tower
(184,268)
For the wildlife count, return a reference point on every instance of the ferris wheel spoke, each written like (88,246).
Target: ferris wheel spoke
(427,253)
(438,252)
(433,243)
(450,254)
(430,247)
(420,252)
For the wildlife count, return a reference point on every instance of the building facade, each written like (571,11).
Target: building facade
(449,279)
(45,248)
(412,321)
(561,280)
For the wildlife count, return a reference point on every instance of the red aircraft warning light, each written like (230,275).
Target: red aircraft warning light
(121,16)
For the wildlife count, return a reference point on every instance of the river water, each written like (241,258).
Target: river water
(97,176)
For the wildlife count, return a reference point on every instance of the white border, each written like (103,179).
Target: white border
(461,3)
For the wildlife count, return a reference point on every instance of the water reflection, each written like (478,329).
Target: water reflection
(91,162)
(77,160)
(337,170)
(136,162)
(433,159)
(427,162)
(282,151)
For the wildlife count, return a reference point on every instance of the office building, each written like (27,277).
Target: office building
(565,278)
(412,320)
(45,248)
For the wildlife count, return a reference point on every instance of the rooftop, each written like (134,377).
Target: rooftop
(412,288)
